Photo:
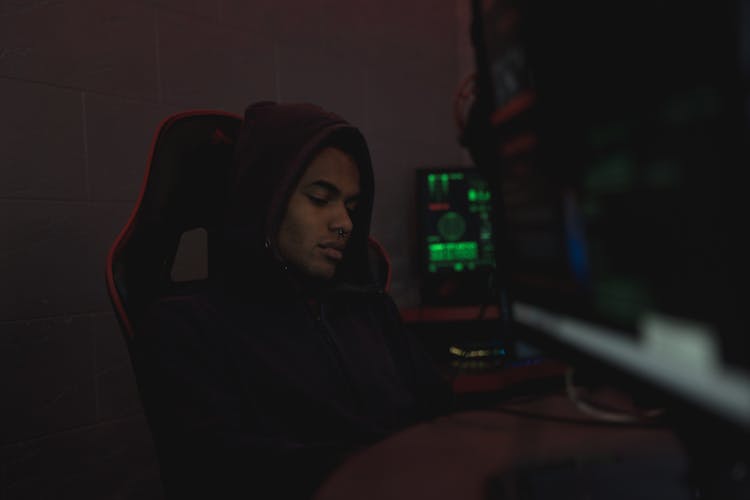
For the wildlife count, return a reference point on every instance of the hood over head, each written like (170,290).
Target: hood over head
(275,145)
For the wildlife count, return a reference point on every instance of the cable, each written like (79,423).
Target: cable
(574,421)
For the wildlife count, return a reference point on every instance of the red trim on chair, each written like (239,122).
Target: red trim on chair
(127,229)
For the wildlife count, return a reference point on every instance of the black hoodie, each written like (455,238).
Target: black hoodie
(260,385)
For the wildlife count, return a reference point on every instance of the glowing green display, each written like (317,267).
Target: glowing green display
(451,226)
(460,250)
(456,228)
(439,184)
(475,195)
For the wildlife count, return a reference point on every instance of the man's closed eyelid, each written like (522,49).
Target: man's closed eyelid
(318,200)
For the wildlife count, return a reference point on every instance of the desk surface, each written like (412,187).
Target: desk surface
(457,313)
(456,456)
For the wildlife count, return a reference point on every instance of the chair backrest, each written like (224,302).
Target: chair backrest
(181,191)
(181,198)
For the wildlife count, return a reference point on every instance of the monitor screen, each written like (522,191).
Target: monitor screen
(456,245)
(616,143)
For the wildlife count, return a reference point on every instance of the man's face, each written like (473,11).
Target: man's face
(320,207)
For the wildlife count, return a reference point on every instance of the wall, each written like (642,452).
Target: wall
(83,84)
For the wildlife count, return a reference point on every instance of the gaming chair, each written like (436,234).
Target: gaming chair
(181,195)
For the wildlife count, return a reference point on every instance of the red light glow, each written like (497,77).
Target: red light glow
(438,207)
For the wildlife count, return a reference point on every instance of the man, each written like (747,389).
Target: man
(292,358)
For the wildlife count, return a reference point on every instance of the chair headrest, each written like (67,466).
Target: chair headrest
(183,189)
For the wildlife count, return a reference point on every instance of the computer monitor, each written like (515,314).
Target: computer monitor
(614,135)
(456,245)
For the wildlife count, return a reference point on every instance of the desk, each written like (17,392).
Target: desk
(457,456)
(440,328)
(434,314)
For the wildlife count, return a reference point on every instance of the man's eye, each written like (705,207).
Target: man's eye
(317,201)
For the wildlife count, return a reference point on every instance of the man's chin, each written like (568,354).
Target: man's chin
(325,271)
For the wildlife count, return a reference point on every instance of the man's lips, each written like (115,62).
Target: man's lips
(333,251)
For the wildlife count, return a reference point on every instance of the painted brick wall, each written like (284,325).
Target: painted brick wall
(83,84)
